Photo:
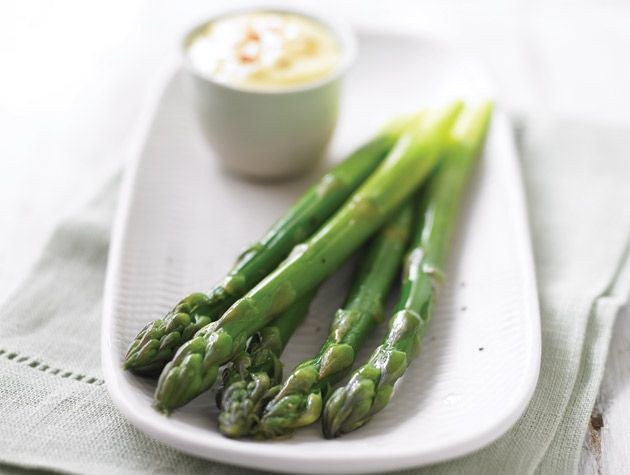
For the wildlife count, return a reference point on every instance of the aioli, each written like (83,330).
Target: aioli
(265,50)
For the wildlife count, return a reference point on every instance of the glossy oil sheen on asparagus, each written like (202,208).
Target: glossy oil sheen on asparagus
(195,366)
(371,387)
(157,342)
(299,401)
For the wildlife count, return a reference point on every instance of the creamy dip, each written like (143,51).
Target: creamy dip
(265,50)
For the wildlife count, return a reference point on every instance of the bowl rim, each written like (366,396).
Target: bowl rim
(339,28)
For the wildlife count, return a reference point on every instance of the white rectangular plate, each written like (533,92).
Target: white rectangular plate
(182,221)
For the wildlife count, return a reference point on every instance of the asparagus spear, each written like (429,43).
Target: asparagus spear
(370,387)
(195,366)
(157,342)
(299,401)
(255,371)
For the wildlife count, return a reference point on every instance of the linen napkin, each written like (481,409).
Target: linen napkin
(55,414)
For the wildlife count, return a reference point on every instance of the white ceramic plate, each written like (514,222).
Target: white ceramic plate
(182,221)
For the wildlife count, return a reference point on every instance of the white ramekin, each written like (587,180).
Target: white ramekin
(270,134)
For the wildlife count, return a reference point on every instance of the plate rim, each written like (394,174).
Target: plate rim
(258,456)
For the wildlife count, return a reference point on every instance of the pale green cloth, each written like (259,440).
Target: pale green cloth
(55,413)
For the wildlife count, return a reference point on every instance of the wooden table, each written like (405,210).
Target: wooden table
(73,77)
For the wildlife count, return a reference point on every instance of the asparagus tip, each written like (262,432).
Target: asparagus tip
(285,414)
(241,405)
(162,409)
(351,406)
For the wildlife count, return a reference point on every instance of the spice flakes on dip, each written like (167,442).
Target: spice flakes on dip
(265,50)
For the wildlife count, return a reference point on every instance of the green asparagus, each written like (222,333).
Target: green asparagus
(299,401)
(255,371)
(370,387)
(195,366)
(157,342)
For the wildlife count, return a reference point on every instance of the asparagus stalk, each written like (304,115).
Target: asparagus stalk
(299,401)
(255,371)
(195,366)
(157,342)
(370,387)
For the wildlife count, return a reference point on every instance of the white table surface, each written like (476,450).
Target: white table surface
(74,76)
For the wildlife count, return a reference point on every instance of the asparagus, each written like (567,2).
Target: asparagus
(157,342)
(255,371)
(195,366)
(299,401)
(371,386)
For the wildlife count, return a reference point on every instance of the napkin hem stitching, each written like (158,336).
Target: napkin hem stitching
(38,365)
